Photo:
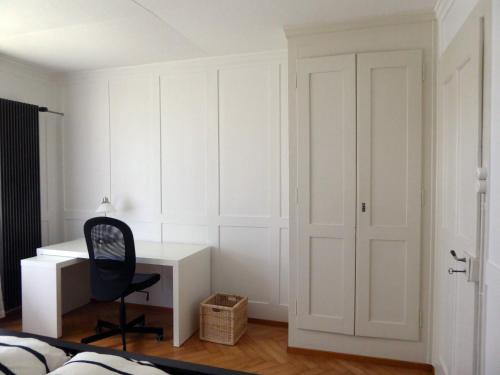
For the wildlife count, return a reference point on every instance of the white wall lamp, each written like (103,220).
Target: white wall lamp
(105,207)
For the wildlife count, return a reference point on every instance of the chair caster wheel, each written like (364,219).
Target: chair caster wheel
(159,337)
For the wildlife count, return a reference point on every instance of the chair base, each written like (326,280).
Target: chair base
(106,329)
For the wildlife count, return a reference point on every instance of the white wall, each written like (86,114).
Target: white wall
(30,85)
(451,15)
(192,151)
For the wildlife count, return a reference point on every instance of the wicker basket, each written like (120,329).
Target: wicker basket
(223,318)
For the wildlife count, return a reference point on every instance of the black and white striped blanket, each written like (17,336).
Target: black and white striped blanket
(28,356)
(23,356)
(102,364)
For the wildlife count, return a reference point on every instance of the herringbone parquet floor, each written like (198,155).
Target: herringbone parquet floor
(261,350)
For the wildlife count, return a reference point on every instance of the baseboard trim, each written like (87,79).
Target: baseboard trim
(274,323)
(362,358)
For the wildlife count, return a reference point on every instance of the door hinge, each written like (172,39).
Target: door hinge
(296,195)
(422,198)
(296,79)
(423,71)
(420,319)
(296,307)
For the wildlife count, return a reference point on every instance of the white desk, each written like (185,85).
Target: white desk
(41,283)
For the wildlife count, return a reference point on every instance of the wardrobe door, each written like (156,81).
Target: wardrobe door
(389,123)
(326,209)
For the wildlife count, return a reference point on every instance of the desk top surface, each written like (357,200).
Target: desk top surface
(147,252)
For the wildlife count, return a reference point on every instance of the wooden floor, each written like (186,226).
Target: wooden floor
(262,350)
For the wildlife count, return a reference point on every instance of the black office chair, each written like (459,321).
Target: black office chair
(112,271)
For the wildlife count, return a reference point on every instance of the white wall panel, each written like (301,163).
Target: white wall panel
(44,201)
(45,232)
(284,266)
(73,229)
(245,126)
(42,135)
(54,181)
(184,143)
(86,145)
(50,178)
(183,137)
(284,159)
(145,230)
(185,233)
(135,145)
(243,263)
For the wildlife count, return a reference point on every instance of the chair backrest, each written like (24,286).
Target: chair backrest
(110,243)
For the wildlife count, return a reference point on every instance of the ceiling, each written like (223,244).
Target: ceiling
(70,35)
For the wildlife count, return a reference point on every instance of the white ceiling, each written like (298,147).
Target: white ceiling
(68,35)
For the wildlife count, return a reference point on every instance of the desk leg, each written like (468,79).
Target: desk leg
(191,285)
(41,299)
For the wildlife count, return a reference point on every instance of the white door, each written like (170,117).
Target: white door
(326,193)
(389,144)
(459,156)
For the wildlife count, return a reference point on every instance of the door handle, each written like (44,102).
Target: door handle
(454,255)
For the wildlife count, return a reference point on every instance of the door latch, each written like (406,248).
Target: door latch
(363,207)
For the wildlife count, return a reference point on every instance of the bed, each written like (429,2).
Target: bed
(170,366)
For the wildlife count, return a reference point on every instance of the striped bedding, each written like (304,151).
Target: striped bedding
(28,356)
(103,364)
(22,356)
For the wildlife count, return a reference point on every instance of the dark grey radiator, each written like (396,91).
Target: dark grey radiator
(20,221)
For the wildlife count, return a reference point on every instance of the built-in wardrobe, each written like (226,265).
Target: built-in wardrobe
(357,167)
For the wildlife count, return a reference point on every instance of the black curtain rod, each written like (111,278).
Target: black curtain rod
(45,109)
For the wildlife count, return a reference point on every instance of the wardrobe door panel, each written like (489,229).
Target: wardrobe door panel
(389,106)
(327,183)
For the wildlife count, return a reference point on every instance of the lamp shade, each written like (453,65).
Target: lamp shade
(105,207)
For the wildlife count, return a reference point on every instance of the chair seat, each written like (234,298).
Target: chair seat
(142,281)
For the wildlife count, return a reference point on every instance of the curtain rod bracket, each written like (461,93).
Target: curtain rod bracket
(45,109)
